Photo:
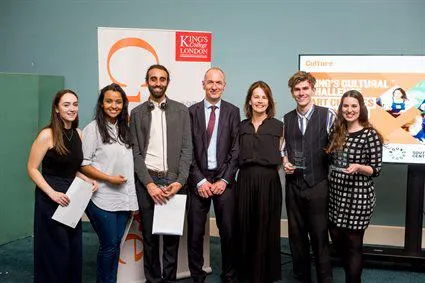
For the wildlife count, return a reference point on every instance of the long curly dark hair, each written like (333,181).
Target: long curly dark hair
(122,119)
(339,130)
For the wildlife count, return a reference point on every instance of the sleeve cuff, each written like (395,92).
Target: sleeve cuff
(85,162)
(200,183)
(374,172)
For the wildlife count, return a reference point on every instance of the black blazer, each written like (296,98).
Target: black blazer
(227,143)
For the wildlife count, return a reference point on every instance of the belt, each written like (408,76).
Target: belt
(157,174)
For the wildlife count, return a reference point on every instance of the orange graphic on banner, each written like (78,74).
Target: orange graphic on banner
(129,42)
(136,239)
(392,127)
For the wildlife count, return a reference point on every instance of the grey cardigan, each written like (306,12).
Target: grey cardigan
(179,141)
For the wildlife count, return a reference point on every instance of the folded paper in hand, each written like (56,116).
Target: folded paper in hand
(79,194)
(168,219)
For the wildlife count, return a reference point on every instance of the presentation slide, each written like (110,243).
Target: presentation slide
(394,91)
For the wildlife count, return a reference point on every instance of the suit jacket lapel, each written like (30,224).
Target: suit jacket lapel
(221,122)
(201,123)
(146,124)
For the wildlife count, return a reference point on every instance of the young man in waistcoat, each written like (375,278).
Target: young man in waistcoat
(306,131)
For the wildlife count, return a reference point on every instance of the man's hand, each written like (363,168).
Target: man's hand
(288,168)
(205,190)
(172,189)
(156,193)
(219,187)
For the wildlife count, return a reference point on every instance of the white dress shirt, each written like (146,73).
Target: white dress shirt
(156,154)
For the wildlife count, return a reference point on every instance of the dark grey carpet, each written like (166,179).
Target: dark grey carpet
(16,264)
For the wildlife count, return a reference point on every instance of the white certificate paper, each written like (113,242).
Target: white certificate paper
(168,218)
(79,194)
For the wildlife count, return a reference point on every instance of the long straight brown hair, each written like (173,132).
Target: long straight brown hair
(340,130)
(56,124)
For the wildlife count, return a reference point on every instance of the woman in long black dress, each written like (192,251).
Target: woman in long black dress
(57,248)
(356,157)
(258,189)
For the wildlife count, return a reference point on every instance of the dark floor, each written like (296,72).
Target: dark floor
(16,264)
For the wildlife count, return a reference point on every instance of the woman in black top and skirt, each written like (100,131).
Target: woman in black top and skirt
(57,248)
(258,189)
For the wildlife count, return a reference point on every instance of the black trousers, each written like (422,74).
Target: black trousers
(307,209)
(224,208)
(152,265)
(58,252)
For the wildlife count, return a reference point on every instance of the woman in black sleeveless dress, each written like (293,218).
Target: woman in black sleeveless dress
(258,189)
(57,248)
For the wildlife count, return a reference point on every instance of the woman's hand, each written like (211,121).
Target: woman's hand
(353,169)
(59,198)
(117,180)
(95,185)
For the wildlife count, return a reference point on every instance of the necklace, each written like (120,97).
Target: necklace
(69,138)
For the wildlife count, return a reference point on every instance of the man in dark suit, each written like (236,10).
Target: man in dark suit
(215,152)
(162,151)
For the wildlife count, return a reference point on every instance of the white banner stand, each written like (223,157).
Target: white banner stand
(130,268)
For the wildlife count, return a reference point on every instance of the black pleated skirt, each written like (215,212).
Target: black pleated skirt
(258,211)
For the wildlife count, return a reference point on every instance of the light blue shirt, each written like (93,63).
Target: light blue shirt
(212,148)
